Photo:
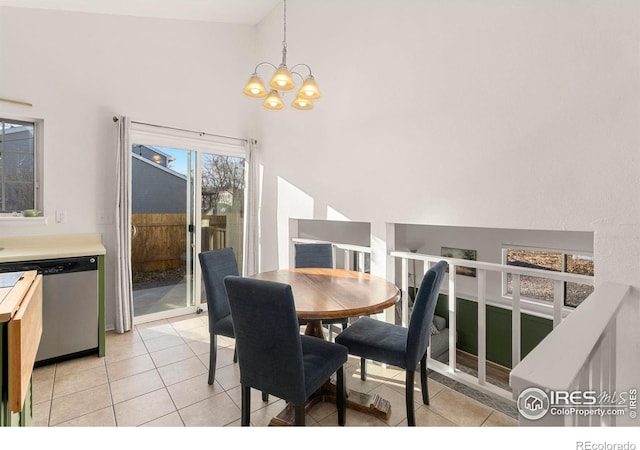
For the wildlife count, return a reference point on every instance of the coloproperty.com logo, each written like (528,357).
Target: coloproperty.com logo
(534,403)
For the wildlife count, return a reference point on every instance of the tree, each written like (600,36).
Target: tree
(222,176)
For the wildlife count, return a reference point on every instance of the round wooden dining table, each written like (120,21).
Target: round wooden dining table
(321,294)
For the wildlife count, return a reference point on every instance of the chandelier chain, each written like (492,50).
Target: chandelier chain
(284,42)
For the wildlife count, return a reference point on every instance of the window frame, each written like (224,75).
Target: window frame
(37,125)
(563,254)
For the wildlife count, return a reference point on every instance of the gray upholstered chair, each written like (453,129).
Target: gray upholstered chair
(313,255)
(318,255)
(273,356)
(217,264)
(399,346)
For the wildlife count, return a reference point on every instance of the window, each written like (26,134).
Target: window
(17,166)
(553,260)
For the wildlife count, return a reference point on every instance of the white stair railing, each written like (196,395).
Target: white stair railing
(578,357)
(482,268)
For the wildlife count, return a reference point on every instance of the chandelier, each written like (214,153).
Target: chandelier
(282,82)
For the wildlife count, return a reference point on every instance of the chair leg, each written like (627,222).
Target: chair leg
(213,350)
(235,355)
(265,397)
(363,369)
(411,417)
(423,380)
(246,405)
(341,395)
(299,419)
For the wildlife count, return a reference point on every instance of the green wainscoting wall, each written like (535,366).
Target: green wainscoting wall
(533,329)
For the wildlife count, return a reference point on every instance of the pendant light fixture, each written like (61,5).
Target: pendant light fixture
(282,82)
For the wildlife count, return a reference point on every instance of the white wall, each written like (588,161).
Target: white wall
(520,114)
(78,70)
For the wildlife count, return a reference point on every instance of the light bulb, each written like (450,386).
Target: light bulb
(282,79)
(309,89)
(255,88)
(302,103)
(273,101)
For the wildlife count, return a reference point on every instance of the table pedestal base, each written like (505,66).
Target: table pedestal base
(359,401)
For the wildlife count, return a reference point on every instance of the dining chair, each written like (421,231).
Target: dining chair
(318,255)
(397,345)
(217,264)
(273,356)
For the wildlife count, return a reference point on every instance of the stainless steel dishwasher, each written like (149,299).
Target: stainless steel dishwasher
(69,306)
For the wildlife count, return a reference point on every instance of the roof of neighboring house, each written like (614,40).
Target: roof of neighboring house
(157,150)
(159,167)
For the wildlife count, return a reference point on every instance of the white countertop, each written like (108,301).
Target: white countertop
(31,248)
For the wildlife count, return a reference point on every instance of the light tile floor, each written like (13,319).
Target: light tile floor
(156,376)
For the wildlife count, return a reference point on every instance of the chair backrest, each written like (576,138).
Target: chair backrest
(217,264)
(267,337)
(314,255)
(422,314)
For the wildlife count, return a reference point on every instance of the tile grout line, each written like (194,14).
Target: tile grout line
(227,391)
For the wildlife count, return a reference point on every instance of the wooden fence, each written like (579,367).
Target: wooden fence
(158,242)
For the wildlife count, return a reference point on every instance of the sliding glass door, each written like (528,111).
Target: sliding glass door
(188,196)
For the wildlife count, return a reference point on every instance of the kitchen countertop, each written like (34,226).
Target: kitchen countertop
(32,248)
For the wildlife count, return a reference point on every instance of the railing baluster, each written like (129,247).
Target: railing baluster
(583,385)
(405,292)
(482,326)
(611,336)
(595,379)
(605,363)
(558,302)
(515,320)
(452,317)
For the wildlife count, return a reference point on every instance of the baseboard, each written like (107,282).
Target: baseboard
(494,370)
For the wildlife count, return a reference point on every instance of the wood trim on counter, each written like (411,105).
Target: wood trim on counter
(24,333)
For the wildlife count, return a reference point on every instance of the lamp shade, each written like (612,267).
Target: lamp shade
(302,103)
(309,89)
(273,101)
(255,88)
(282,80)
